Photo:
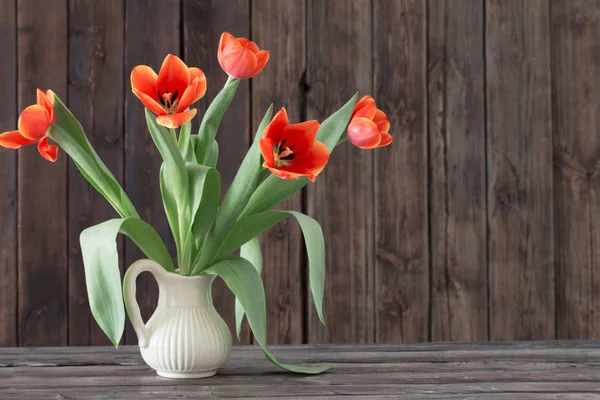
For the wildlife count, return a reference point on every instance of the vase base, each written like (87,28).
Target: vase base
(186,375)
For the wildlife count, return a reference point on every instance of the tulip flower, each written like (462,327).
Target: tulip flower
(34,125)
(291,151)
(369,126)
(240,57)
(171,92)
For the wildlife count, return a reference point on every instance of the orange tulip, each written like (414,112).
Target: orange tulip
(291,151)
(240,57)
(369,126)
(34,125)
(169,93)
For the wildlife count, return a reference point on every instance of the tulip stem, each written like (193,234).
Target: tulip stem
(173,134)
(342,140)
(229,80)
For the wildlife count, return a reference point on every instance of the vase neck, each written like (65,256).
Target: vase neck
(178,291)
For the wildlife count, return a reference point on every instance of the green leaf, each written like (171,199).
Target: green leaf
(251,252)
(170,205)
(235,200)
(184,142)
(174,177)
(205,193)
(69,135)
(212,119)
(101,263)
(213,155)
(251,226)
(275,190)
(243,280)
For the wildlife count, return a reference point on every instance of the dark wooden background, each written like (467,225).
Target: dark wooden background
(480,222)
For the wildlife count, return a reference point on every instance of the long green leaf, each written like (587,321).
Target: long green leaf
(243,280)
(184,144)
(212,119)
(251,252)
(170,205)
(101,263)
(69,135)
(275,190)
(235,200)
(250,227)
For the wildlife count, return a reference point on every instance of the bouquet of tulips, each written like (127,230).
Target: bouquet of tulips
(282,159)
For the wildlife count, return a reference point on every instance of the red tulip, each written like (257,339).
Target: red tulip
(291,151)
(34,125)
(169,93)
(240,57)
(369,126)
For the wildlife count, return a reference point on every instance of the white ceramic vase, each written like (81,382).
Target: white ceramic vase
(185,337)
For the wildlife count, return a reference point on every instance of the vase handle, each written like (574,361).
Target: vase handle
(129,290)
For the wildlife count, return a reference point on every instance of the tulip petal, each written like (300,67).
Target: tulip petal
(363,133)
(188,96)
(149,102)
(249,44)
(173,76)
(201,90)
(381,120)
(288,175)
(48,151)
(266,149)
(226,37)
(319,157)
(14,140)
(176,120)
(364,108)
(274,130)
(262,57)
(386,139)
(143,79)
(46,100)
(34,122)
(301,135)
(238,62)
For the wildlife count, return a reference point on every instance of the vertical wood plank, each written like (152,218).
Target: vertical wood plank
(458,217)
(8,176)
(576,101)
(152,31)
(520,170)
(401,221)
(280,27)
(203,23)
(42,63)
(338,64)
(96,93)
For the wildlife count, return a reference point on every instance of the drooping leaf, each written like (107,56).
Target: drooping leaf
(275,190)
(69,135)
(251,252)
(251,226)
(212,119)
(235,200)
(243,280)
(101,263)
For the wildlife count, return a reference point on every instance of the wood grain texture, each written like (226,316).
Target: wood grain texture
(280,27)
(457,162)
(576,104)
(152,31)
(341,200)
(401,232)
(203,23)
(531,370)
(96,95)
(8,176)
(519,129)
(42,204)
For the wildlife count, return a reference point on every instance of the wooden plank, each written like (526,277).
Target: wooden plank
(203,23)
(402,259)
(8,176)
(576,101)
(342,197)
(96,95)
(280,27)
(152,32)
(519,146)
(42,202)
(458,228)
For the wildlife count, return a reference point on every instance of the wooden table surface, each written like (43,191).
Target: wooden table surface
(496,371)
